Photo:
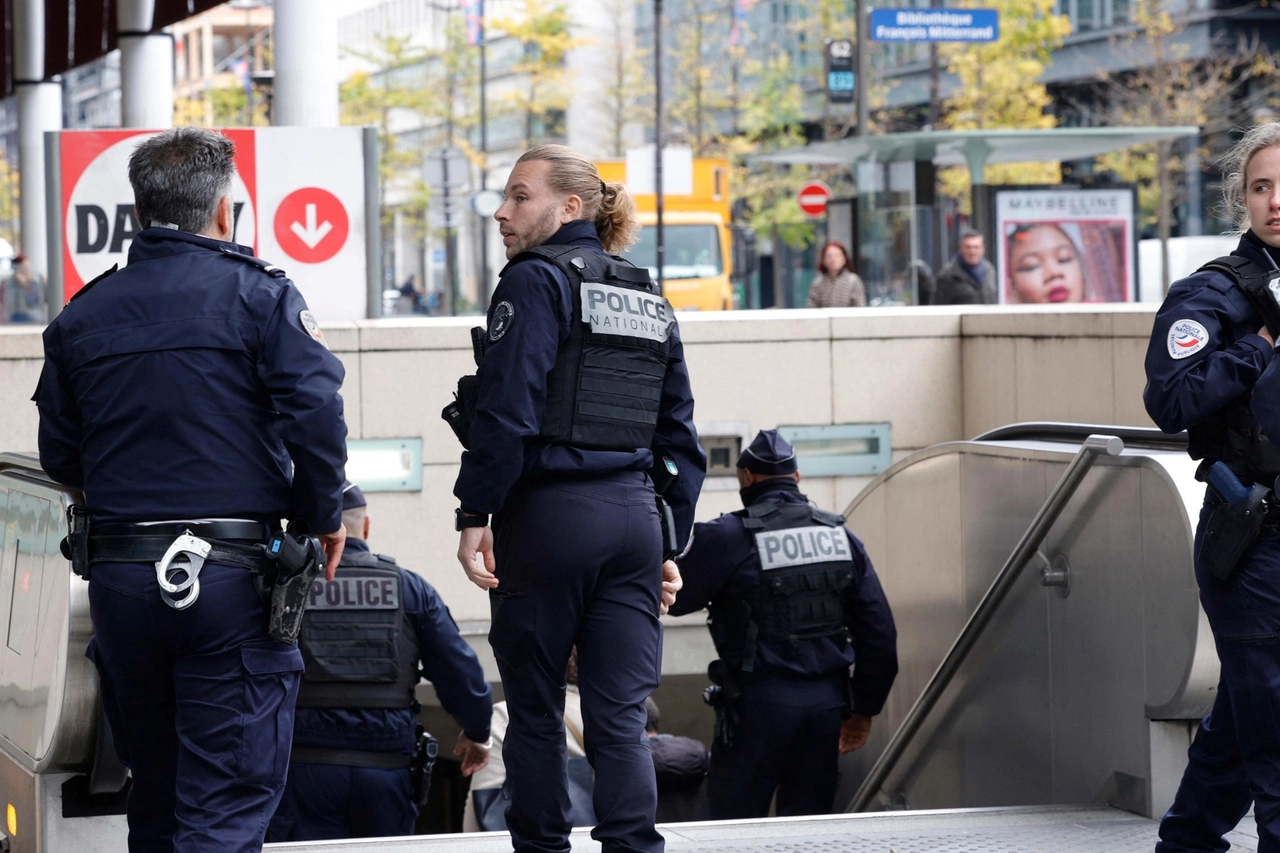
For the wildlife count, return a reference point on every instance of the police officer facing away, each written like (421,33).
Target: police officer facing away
(1211,370)
(364,636)
(794,602)
(178,393)
(581,387)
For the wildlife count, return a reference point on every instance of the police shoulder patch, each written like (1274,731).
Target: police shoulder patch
(503,314)
(1186,338)
(312,327)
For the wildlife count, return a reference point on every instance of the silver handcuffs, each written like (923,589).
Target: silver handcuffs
(185,556)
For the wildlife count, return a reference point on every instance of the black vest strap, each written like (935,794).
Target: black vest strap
(1257,283)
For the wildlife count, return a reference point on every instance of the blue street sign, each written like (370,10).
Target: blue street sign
(926,25)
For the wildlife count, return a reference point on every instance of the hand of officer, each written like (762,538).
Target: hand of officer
(853,733)
(671,584)
(474,756)
(333,544)
(1267,336)
(478,541)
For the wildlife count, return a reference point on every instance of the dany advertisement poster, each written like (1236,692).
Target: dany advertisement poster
(1065,244)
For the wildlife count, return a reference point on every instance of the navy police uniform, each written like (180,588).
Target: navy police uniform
(1210,373)
(577,538)
(191,385)
(368,636)
(794,602)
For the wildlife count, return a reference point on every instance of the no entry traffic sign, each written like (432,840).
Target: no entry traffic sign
(813,198)
(311,225)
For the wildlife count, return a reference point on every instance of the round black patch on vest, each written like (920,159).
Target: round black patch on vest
(502,316)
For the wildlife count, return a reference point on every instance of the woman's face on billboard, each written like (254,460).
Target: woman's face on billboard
(1044,266)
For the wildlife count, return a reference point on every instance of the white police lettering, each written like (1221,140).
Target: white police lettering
(615,310)
(802,546)
(1187,337)
(1274,287)
(312,327)
(354,594)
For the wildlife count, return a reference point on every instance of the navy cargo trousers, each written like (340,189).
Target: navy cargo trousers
(1235,758)
(200,702)
(579,562)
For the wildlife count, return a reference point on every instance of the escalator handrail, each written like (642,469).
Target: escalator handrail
(1146,437)
(1092,447)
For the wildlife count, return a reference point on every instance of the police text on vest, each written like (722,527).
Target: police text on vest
(802,546)
(612,310)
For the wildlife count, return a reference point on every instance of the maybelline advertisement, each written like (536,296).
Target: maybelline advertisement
(1065,244)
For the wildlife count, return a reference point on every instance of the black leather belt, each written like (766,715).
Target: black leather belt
(151,549)
(251,530)
(350,758)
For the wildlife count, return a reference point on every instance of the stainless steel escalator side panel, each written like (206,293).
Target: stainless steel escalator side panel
(48,689)
(1055,698)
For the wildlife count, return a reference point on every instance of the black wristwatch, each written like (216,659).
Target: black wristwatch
(463,520)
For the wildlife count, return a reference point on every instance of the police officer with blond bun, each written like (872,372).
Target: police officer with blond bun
(581,401)
(368,637)
(191,397)
(794,602)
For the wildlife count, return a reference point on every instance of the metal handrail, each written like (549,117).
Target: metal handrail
(1090,449)
(1060,431)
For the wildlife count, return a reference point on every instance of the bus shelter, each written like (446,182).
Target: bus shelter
(894,222)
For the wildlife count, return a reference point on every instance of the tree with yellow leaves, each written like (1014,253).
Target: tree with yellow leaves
(998,87)
(543,28)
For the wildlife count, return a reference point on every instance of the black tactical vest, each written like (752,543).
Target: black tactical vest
(1232,434)
(359,649)
(806,567)
(606,386)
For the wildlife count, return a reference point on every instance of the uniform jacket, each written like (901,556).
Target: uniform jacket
(513,390)
(954,286)
(722,558)
(193,383)
(447,662)
(1214,354)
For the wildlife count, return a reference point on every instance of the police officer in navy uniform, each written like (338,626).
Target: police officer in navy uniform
(367,638)
(192,391)
(582,393)
(794,602)
(1211,370)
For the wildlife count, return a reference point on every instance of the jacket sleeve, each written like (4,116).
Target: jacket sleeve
(676,437)
(1195,369)
(450,665)
(875,638)
(956,287)
(705,566)
(302,378)
(859,293)
(60,424)
(811,301)
(512,393)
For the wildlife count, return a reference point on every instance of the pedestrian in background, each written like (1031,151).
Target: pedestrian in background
(836,285)
(968,278)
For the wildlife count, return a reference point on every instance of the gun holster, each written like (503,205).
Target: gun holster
(1230,531)
(425,750)
(75,546)
(294,561)
(462,411)
(669,547)
(723,695)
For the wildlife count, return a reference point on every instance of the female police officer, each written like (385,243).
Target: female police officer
(1211,371)
(582,384)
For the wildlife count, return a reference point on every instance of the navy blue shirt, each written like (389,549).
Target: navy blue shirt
(722,559)
(513,394)
(187,385)
(1205,351)
(447,662)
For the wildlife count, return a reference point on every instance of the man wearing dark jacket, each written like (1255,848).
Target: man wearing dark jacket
(968,278)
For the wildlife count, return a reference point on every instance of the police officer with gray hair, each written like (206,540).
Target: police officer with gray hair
(794,602)
(192,399)
(360,765)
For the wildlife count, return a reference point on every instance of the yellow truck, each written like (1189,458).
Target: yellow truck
(697,244)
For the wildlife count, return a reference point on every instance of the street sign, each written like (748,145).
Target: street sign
(486,202)
(446,167)
(813,198)
(298,201)
(935,25)
(840,75)
(311,225)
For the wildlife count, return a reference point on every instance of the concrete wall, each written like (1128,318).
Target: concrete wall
(937,374)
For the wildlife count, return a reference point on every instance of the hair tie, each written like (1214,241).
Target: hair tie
(602,188)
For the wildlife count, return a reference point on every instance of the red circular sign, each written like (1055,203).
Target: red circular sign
(311,225)
(813,198)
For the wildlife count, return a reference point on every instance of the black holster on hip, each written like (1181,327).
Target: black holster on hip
(294,561)
(723,696)
(75,547)
(1230,531)
(425,750)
